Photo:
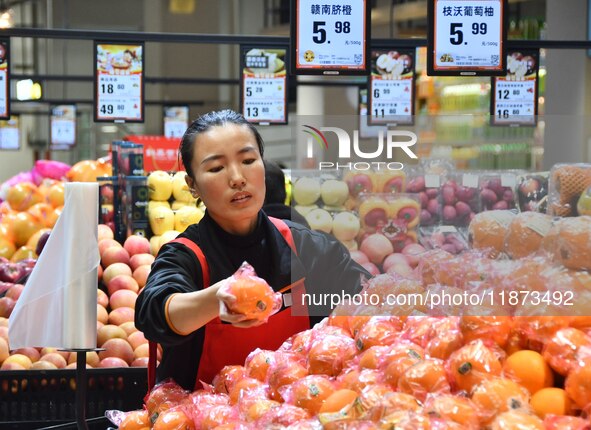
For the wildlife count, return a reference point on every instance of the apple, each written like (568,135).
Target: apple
(154,245)
(413,253)
(141,275)
(138,260)
(396,258)
(161,220)
(136,339)
(43,365)
(19,359)
(371,268)
(4,351)
(333,192)
(109,331)
(55,195)
(11,272)
(306,191)
(129,327)
(102,315)
(186,216)
(345,226)
(122,282)
(449,195)
(32,353)
(159,185)
(394,184)
(114,270)
(135,244)
(24,225)
(7,248)
(102,298)
(22,196)
(107,213)
(107,194)
(15,291)
(47,350)
(140,362)
(304,210)
(416,185)
(114,254)
(107,243)
(117,348)
(359,183)
(157,203)
(99,273)
(319,219)
(359,257)
(121,315)
(376,247)
(449,213)
(122,298)
(53,357)
(584,203)
(112,362)
(180,189)
(92,358)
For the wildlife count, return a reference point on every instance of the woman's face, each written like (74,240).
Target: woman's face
(229,176)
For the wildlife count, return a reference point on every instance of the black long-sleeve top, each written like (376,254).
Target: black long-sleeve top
(324,262)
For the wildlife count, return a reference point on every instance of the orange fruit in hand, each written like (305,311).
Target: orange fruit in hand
(457,409)
(529,369)
(517,420)
(472,364)
(578,383)
(173,419)
(310,392)
(254,298)
(562,350)
(551,400)
(343,401)
(136,420)
(424,377)
(495,396)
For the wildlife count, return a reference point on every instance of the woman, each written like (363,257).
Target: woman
(182,307)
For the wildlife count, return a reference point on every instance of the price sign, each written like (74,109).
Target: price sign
(176,120)
(367,131)
(119,82)
(330,36)
(10,134)
(467,37)
(4,79)
(514,99)
(391,87)
(63,127)
(263,89)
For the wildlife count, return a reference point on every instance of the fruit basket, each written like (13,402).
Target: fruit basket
(38,398)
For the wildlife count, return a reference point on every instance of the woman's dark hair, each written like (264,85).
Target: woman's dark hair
(274,183)
(203,124)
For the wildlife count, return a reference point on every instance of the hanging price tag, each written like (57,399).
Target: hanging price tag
(119,82)
(264,85)
(4,79)
(514,99)
(330,37)
(176,120)
(467,37)
(63,127)
(391,86)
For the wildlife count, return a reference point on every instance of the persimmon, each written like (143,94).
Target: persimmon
(562,350)
(472,364)
(495,396)
(457,409)
(173,419)
(517,420)
(529,369)
(257,363)
(136,420)
(424,377)
(254,298)
(344,401)
(227,378)
(329,354)
(310,392)
(551,401)
(578,383)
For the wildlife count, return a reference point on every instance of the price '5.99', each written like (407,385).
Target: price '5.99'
(457,34)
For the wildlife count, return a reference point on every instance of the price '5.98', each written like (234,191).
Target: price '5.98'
(320,32)
(457,35)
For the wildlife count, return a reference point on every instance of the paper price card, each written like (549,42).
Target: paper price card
(4,79)
(176,120)
(264,83)
(119,82)
(330,36)
(391,87)
(467,37)
(63,127)
(10,134)
(514,99)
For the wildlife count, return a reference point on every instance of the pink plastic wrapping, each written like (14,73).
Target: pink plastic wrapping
(176,418)
(309,392)
(425,377)
(252,296)
(164,396)
(51,169)
(226,378)
(378,331)
(569,242)
(460,410)
(284,414)
(566,349)
(563,422)
(330,353)
(257,363)
(472,364)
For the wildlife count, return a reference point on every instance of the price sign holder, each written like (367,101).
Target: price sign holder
(176,120)
(467,37)
(62,127)
(4,78)
(392,87)
(119,82)
(514,98)
(330,38)
(264,84)
(10,134)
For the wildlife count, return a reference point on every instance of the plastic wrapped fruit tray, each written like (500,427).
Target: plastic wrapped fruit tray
(40,398)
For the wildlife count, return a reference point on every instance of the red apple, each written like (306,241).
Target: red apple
(140,362)
(99,272)
(395,258)
(115,270)
(109,331)
(376,247)
(6,306)
(15,291)
(114,254)
(12,366)
(102,298)
(122,282)
(43,365)
(4,351)
(113,362)
(11,272)
(136,245)
(136,339)
(138,260)
(129,327)
(104,244)
(48,350)
(30,352)
(371,268)
(55,358)
(92,358)
(105,232)
(121,315)
(117,348)
(123,298)
(413,253)
(359,257)
(141,275)
(101,314)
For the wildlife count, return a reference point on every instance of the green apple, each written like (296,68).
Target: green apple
(303,210)
(159,185)
(180,189)
(319,219)
(306,191)
(155,203)
(345,226)
(161,220)
(333,192)
(186,216)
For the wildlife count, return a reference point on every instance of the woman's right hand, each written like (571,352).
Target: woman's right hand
(226,315)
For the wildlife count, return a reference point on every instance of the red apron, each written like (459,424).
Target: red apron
(225,344)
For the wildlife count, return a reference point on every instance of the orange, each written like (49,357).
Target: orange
(430,265)
(302,341)
(377,331)
(344,401)
(377,404)
(406,420)
(539,328)
(562,350)
(525,233)
(310,392)
(258,408)
(397,367)
(573,247)
(578,383)
(236,425)
(495,396)
(516,420)
(516,342)
(457,409)
(487,231)
(227,378)
(488,328)
(472,364)
(164,397)
(329,354)
(254,298)
(136,420)
(404,349)
(552,401)
(284,373)
(343,424)
(357,380)
(562,422)
(427,376)
(282,415)
(257,363)
(243,387)
(356,322)
(173,419)
(446,339)
(216,416)
(373,357)
(341,321)
(529,369)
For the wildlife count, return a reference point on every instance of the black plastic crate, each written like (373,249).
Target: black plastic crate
(41,398)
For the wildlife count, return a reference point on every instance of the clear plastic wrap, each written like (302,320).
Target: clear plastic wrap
(250,296)
(564,422)
(577,384)
(425,377)
(131,420)
(309,392)
(517,420)
(257,363)
(175,418)
(282,415)
(567,347)
(330,353)
(497,395)
(525,233)
(460,198)
(458,409)
(531,190)
(226,378)
(569,241)
(164,396)
(569,193)
(428,188)
(496,190)
(487,231)
(446,237)
(378,331)
(472,364)
(286,369)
